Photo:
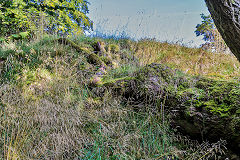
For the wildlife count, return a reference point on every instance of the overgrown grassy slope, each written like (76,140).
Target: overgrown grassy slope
(189,60)
(52,108)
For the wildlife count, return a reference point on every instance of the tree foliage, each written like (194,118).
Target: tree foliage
(210,34)
(49,15)
(205,28)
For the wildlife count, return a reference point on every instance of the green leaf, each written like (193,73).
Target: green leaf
(2,39)
(24,35)
(238,111)
(15,36)
(62,16)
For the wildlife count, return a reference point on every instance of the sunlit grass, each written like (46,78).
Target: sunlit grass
(193,61)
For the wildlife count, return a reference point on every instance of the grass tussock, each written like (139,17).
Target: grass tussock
(49,109)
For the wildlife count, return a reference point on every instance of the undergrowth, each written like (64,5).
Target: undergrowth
(50,110)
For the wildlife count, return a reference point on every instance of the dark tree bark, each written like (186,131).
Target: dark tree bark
(226,16)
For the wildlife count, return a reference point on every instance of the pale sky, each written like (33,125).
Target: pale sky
(165,20)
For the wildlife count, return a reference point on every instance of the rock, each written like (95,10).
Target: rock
(91,57)
(202,108)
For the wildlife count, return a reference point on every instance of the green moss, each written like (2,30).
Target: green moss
(218,97)
(92,58)
(221,97)
(238,111)
(222,109)
(34,82)
(113,48)
(106,60)
(196,92)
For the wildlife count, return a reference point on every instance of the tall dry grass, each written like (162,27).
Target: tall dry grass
(195,61)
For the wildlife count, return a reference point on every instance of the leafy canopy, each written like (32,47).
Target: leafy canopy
(206,28)
(62,16)
(211,35)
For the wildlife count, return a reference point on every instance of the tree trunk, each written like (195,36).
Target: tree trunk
(226,16)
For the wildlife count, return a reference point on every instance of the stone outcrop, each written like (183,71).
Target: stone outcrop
(204,109)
